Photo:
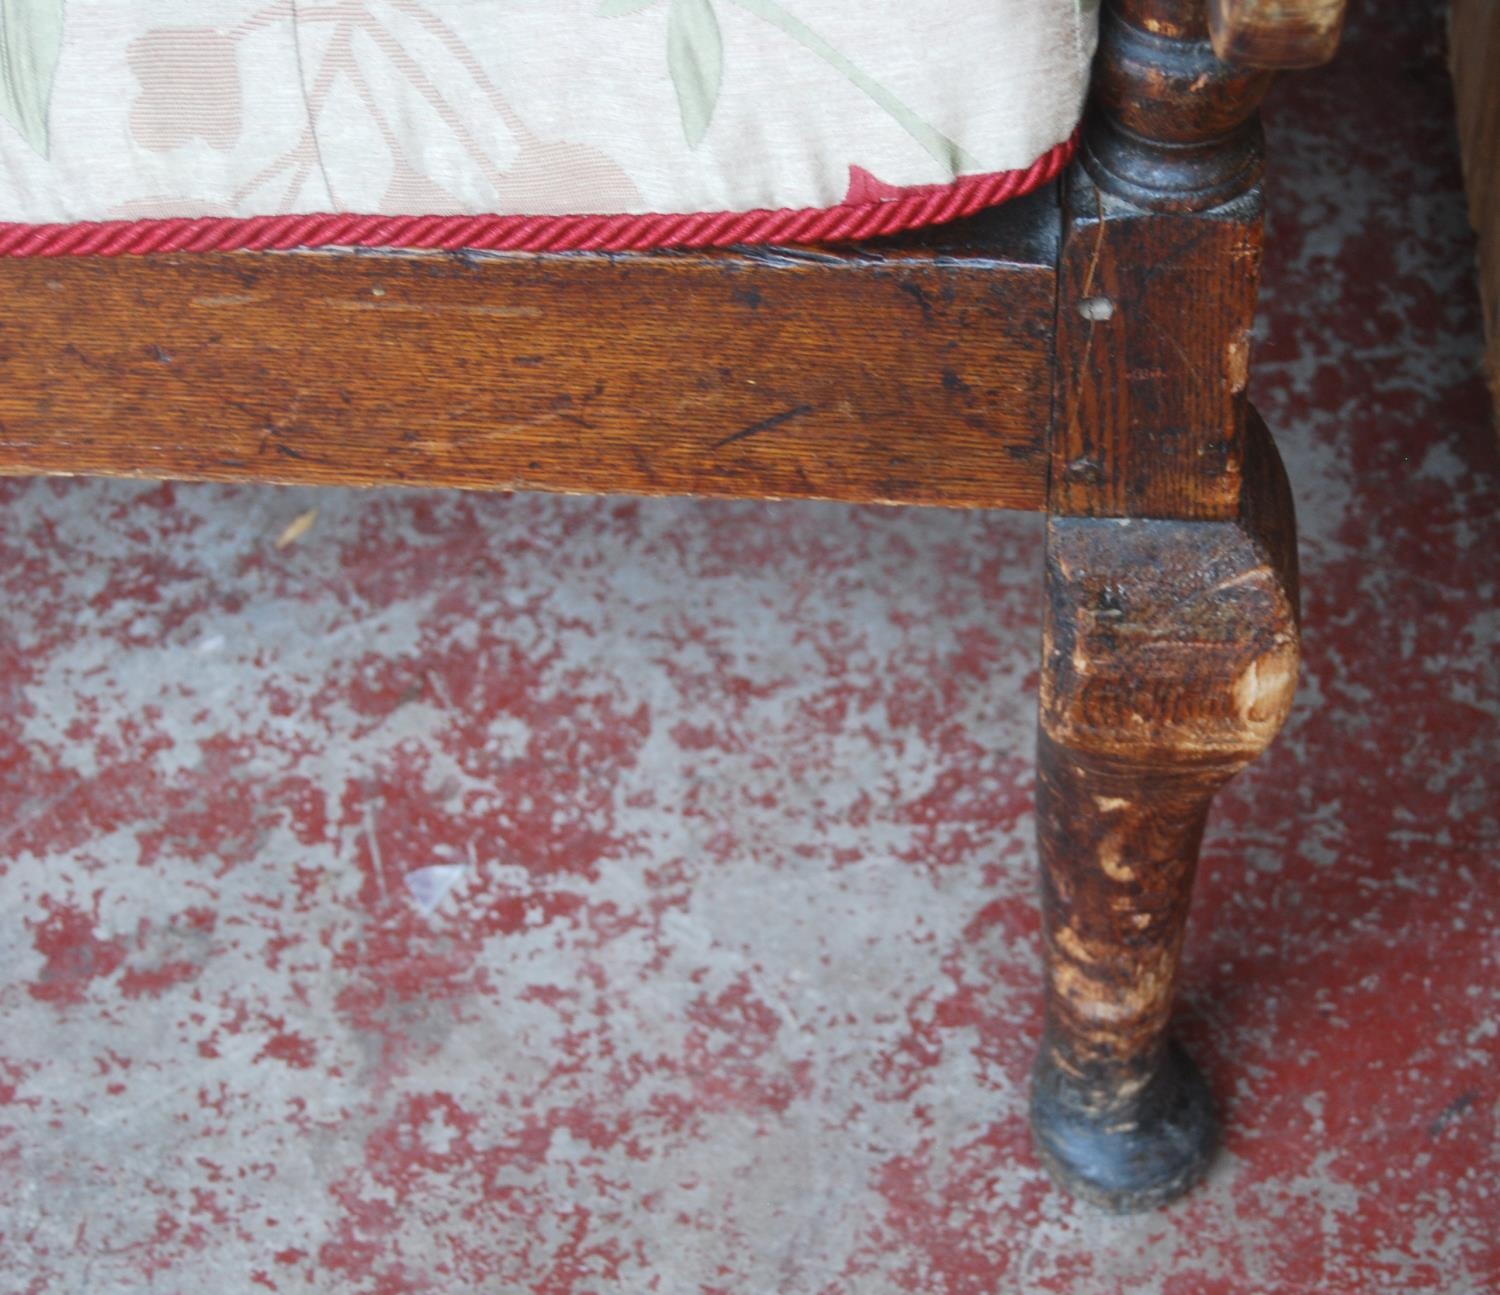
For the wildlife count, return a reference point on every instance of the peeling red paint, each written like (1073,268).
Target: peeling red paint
(297,1050)
(74,954)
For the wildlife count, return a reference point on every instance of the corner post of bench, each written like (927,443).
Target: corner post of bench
(1171,641)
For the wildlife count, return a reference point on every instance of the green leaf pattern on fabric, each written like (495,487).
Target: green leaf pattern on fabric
(695,58)
(695,61)
(30,42)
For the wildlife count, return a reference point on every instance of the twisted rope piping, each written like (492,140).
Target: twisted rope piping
(932,205)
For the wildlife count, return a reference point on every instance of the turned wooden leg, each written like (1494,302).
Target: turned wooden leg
(1169,663)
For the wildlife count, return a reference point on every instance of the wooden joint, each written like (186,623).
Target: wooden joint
(1174,642)
(1153,333)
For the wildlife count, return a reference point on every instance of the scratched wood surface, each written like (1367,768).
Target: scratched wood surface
(1170,658)
(1158,274)
(1154,318)
(914,371)
(1170,638)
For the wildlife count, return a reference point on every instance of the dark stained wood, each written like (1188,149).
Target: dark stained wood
(1171,644)
(1158,275)
(1279,34)
(1169,662)
(1172,128)
(1474,57)
(1153,335)
(916,371)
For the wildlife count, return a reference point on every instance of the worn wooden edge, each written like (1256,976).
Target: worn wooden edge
(1280,35)
(914,370)
(1154,318)
(1170,656)
(1176,639)
(1172,127)
(1148,1160)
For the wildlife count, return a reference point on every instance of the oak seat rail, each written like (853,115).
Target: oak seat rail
(916,370)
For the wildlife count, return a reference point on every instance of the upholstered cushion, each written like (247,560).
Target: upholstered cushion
(140,110)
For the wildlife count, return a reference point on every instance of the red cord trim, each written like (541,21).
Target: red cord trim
(928,205)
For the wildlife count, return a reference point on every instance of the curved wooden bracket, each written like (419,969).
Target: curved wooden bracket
(1276,34)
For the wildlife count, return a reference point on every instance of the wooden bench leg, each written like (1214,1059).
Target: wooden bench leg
(1170,659)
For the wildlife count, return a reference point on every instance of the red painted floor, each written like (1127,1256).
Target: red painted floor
(571,896)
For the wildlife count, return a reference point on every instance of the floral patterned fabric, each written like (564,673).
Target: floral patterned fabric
(137,109)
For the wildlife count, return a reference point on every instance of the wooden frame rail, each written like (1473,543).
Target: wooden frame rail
(914,371)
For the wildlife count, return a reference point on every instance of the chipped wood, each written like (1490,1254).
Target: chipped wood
(1279,34)
(1169,663)
(1171,644)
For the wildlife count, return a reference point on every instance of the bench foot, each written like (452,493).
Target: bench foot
(1138,1159)
(1170,659)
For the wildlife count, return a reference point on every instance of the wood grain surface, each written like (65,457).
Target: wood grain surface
(1474,55)
(1170,656)
(1158,274)
(1280,34)
(1153,322)
(913,371)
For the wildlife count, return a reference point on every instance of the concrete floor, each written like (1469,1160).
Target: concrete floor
(568,896)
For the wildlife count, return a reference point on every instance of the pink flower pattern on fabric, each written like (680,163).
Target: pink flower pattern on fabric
(189,89)
(518,108)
